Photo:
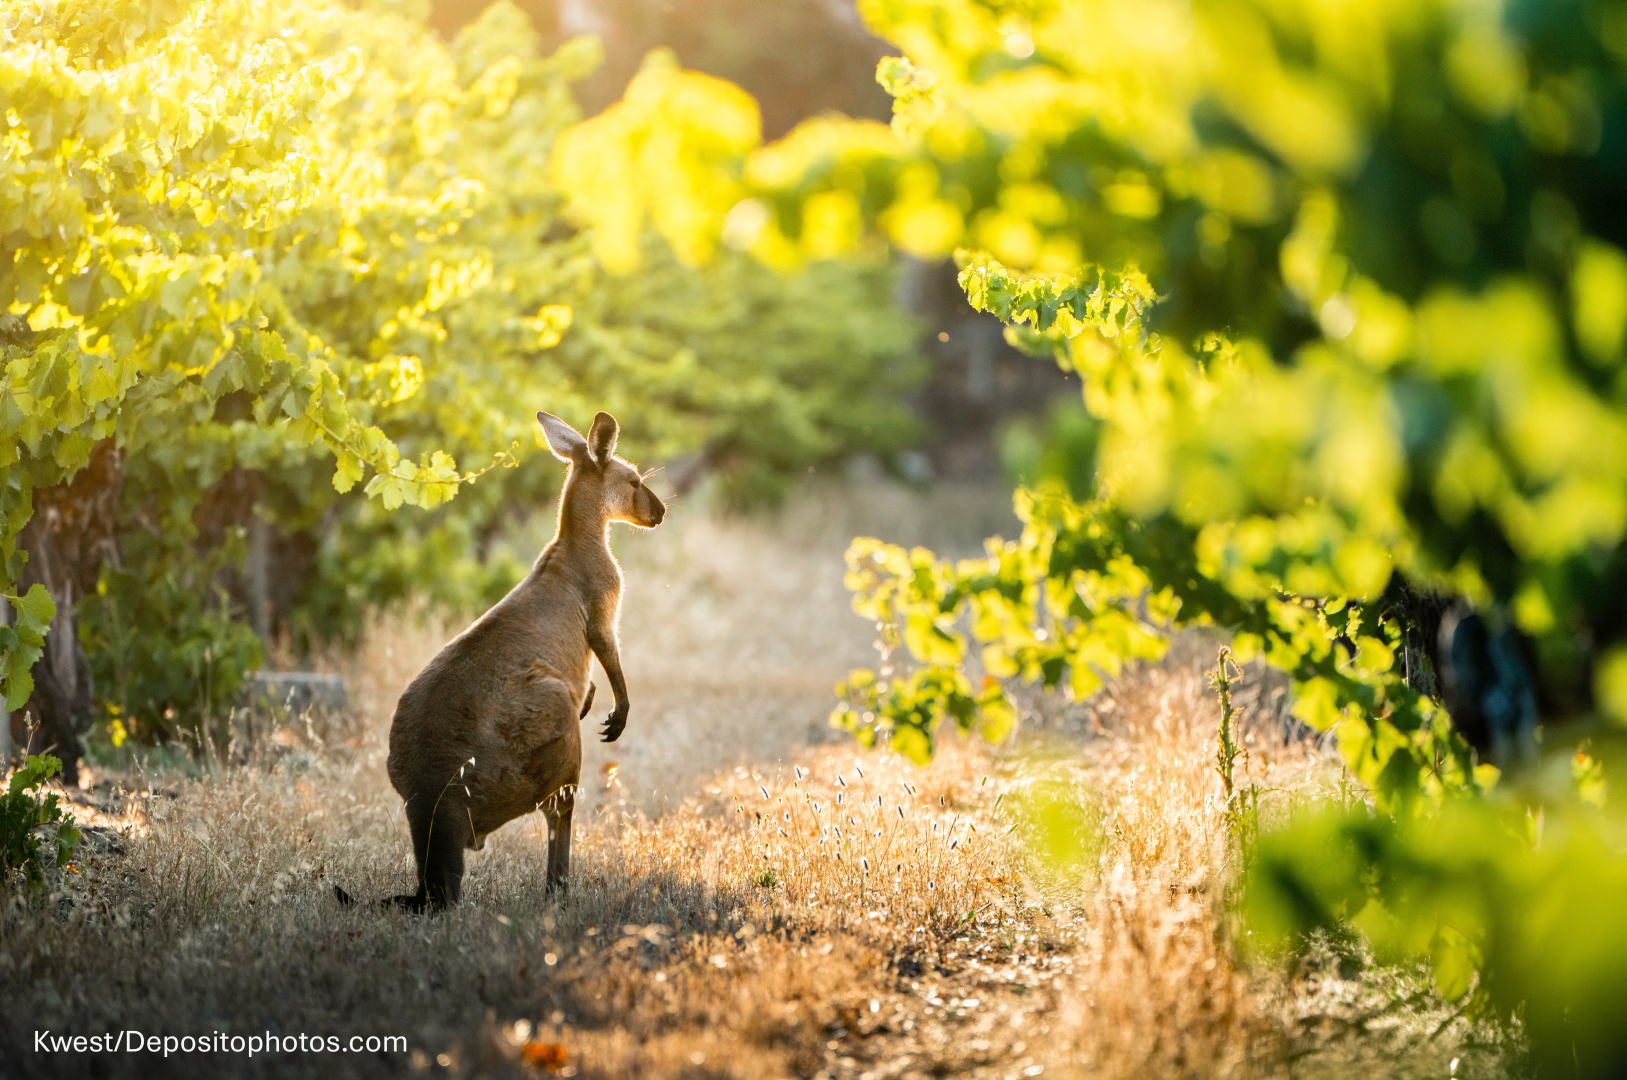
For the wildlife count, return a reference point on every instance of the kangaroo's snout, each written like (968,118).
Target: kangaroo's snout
(650,510)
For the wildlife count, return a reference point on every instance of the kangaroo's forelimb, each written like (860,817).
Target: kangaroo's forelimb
(602,640)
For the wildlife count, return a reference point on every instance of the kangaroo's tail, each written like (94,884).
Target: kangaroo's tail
(416,904)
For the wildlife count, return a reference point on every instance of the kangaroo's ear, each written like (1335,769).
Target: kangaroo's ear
(565,441)
(602,437)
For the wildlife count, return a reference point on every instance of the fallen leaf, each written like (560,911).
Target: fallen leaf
(550,1056)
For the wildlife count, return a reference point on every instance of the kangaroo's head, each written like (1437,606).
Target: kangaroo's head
(599,479)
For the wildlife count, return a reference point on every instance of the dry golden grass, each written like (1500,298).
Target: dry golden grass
(749,898)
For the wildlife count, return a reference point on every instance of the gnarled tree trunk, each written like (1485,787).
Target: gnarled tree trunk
(72,532)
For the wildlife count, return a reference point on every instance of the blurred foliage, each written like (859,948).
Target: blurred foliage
(24,810)
(1532,902)
(1343,285)
(1059,832)
(1060,445)
(301,243)
(797,58)
(1346,290)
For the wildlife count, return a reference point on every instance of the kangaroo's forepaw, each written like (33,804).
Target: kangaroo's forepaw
(614,724)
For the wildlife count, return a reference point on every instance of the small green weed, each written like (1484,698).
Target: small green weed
(24,810)
(1242,803)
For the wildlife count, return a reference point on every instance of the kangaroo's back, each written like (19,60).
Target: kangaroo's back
(475,699)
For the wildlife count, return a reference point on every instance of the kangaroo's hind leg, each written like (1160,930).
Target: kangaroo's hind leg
(555,766)
(440,832)
(559,838)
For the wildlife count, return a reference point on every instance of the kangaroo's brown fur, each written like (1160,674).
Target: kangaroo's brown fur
(491,728)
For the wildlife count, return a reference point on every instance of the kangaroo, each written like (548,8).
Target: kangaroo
(490,729)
